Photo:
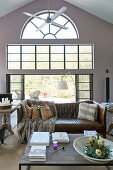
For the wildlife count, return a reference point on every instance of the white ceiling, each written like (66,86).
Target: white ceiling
(100,8)
(7,6)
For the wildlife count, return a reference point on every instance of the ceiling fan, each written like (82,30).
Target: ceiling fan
(49,20)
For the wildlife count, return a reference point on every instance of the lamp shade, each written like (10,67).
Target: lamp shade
(62,85)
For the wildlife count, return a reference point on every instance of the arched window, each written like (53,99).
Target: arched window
(49,31)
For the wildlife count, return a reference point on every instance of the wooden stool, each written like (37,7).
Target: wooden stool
(2,131)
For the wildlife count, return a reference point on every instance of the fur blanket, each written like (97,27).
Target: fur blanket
(27,126)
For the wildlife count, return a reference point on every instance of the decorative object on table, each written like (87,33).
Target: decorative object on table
(54,151)
(6,95)
(90,133)
(81,143)
(62,85)
(55,144)
(37,153)
(5,104)
(60,137)
(40,139)
(96,148)
(108,105)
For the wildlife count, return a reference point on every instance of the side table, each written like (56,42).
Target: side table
(2,131)
(5,111)
(111,124)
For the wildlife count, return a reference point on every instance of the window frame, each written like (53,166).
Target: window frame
(50,12)
(50,54)
(76,85)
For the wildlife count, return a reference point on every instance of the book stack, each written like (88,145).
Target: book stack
(40,139)
(37,153)
(60,137)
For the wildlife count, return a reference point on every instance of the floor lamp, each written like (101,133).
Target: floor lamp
(62,85)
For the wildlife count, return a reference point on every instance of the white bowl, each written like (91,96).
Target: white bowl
(80,145)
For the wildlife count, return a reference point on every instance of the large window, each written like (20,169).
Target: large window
(22,86)
(49,31)
(50,57)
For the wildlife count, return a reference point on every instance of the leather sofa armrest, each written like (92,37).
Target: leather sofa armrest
(19,114)
(102,115)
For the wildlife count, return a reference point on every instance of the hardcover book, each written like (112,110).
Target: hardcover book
(37,153)
(90,133)
(60,137)
(40,139)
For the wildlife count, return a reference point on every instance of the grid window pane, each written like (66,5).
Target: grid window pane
(71,49)
(57,65)
(42,49)
(13,65)
(28,65)
(13,49)
(15,78)
(84,86)
(57,49)
(84,94)
(85,57)
(57,57)
(71,65)
(85,65)
(42,65)
(15,86)
(85,49)
(28,57)
(28,49)
(13,57)
(47,85)
(71,57)
(42,57)
(84,78)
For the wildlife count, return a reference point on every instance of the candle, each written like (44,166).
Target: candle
(55,145)
(2,100)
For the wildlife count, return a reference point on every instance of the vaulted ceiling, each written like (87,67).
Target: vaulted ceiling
(7,6)
(100,8)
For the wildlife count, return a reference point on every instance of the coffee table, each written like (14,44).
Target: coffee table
(66,157)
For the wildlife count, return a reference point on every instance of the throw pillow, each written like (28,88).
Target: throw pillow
(29,111)
(45,112)
(35,112)
(88,111)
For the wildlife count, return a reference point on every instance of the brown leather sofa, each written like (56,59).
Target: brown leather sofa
(67,119)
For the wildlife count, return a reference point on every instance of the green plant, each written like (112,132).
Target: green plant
(96,148)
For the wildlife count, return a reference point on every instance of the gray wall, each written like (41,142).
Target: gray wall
(92,30)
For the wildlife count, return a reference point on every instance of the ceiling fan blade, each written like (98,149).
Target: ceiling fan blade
(59,25)
(58,13)
(33,15)
(45,23)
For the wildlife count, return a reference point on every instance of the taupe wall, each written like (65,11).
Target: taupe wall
(92,30)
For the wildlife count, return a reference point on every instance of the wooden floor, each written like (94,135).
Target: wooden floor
(11,151)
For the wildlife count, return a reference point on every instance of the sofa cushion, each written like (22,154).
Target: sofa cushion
(45,112)
(35,112)
(29,102)
(29,111)
(88,111)
(76,125)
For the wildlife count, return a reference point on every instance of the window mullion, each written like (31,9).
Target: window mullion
(64,58)
(49,57)
(35,57)
(78,56)
(20,56)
